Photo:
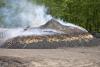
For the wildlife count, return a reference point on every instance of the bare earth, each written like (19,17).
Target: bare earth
(66,57)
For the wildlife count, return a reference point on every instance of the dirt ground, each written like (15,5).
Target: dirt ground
(66,57)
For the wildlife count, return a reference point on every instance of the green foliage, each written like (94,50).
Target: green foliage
(85,13)
(2,3)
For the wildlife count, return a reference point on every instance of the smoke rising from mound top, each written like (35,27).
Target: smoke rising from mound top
(22,13)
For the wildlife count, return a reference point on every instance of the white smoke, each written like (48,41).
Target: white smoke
(22,13)
(71,25)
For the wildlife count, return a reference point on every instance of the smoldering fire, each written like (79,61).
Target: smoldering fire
(47,36)
(42,31)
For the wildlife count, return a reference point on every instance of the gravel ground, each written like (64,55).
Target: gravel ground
(66,57)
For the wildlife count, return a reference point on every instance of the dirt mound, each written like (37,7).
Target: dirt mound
(53,34)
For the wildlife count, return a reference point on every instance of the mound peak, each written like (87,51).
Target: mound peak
(67,29)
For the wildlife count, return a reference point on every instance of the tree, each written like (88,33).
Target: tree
(85,13)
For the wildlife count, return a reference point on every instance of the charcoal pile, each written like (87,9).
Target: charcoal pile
(53,34)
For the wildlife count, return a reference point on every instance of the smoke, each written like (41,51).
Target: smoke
(71,25)
(22,13)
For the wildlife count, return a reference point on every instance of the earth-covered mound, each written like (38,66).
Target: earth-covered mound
(53,34)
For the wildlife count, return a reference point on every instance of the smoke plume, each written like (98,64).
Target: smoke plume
(22,13)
